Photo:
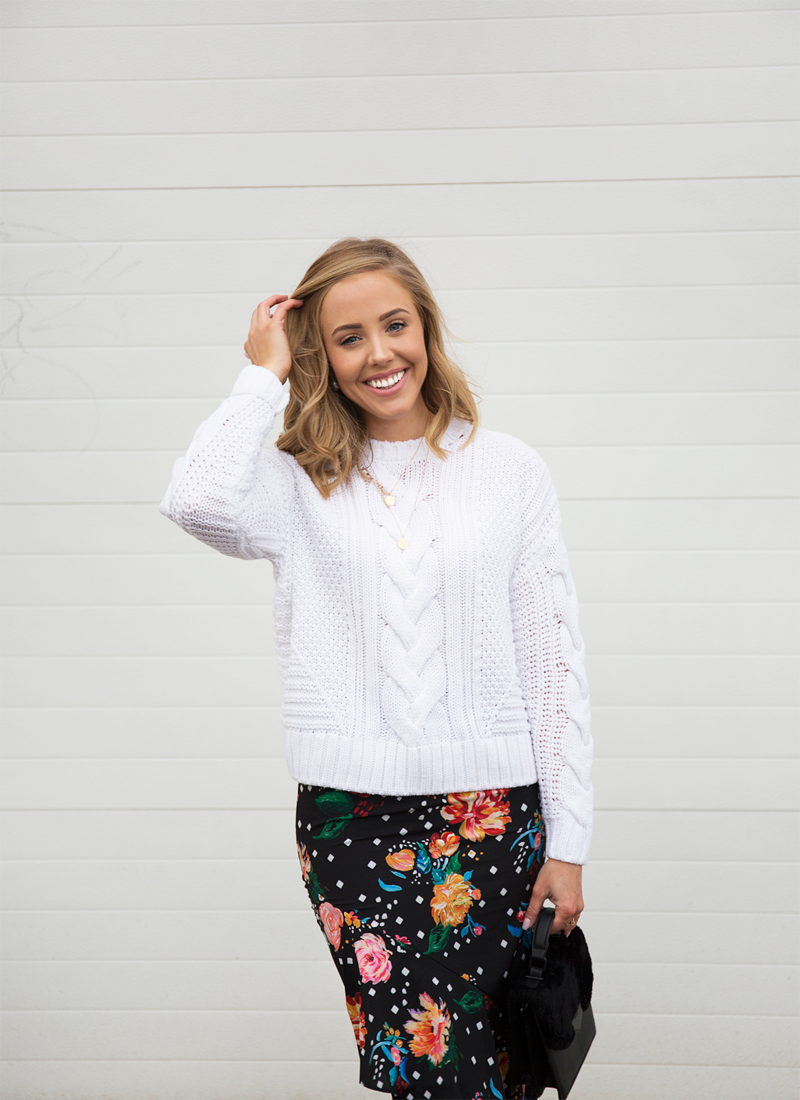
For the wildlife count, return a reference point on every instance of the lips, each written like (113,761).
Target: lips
(388,381)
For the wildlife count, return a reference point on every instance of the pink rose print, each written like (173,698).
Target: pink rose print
(372,955)
(332,919)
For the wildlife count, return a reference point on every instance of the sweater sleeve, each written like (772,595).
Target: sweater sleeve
(550,658)
(227,490)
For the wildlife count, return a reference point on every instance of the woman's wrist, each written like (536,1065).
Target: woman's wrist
(279,373)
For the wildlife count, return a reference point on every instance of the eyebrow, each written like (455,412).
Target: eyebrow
(382,317)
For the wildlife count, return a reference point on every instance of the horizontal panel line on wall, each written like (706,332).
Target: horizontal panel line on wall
(187,25)
(411,183)
(192,79)
(664,150)
(390,22)
(556,12)
(400,129)
(411,77)
(70,243)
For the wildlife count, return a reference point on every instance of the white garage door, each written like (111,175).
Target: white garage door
(601,193)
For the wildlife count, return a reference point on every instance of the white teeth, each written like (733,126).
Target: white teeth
(384,383)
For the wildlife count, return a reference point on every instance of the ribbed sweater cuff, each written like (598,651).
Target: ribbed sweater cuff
(260,382)
(568,840)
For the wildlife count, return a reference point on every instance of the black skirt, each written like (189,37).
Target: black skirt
(421,899)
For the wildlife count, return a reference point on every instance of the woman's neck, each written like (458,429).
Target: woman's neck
(412,425)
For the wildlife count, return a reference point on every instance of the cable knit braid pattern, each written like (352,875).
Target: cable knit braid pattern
(455,664)
(413,634)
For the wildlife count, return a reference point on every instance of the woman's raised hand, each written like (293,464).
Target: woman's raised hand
(266,344)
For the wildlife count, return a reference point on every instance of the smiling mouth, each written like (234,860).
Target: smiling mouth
(387,383)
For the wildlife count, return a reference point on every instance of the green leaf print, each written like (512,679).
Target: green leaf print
(453,867)
(451,1057)
(438,938)
(472,1001)
(333,827)
(335,803)
(315,886)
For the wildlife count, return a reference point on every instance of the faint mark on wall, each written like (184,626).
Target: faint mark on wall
(60,301)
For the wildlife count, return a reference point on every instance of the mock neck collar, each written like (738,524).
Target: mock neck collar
(401,451)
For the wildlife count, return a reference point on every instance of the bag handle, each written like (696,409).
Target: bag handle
(540,940)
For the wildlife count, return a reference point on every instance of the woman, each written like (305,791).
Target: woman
(435,709)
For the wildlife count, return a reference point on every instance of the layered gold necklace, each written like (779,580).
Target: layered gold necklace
(389,500)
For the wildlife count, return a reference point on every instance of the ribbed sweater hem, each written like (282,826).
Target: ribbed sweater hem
(324,758)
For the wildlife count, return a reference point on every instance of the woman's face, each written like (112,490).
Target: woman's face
(376,348)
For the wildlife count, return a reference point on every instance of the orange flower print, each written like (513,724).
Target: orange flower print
(372,956)
(351,920)
(305,860)
(444,845)
(481,813)
(430,1030)
(356,1014)
(402,860)
(451,900)
(332,919)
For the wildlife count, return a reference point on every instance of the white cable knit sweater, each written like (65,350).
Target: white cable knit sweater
(456,664)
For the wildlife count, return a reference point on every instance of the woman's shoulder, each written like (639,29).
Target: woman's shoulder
(501,448)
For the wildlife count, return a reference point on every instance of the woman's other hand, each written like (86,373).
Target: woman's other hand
(560,883)
(266,344)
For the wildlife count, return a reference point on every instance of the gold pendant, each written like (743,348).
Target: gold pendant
(388,500)
(402,543)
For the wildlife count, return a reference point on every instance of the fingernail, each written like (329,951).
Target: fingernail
(526,924)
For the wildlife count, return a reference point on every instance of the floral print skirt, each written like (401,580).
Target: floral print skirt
(421,899)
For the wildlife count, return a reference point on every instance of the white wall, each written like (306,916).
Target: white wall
(601,192)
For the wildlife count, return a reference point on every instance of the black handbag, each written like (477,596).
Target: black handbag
(551,1024)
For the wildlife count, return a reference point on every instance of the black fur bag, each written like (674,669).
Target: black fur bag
(549,1011)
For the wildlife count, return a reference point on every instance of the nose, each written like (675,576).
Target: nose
(379,353)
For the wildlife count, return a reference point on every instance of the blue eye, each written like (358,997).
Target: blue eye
(347,340)
(402,324)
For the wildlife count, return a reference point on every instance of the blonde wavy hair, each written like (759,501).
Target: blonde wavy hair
(323,428)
